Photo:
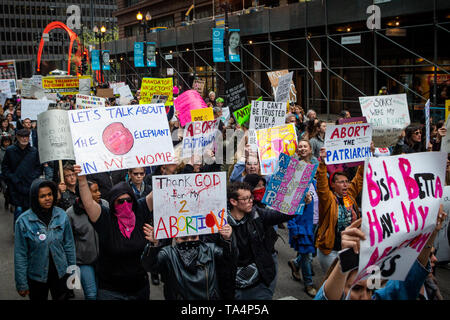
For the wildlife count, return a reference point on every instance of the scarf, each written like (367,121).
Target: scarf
(125,218)
(259,194)
(188,253)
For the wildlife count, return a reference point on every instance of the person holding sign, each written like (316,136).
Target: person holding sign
(121,241)
(412,141)
(338,284)
(337,209)
(190,267)
(246,165)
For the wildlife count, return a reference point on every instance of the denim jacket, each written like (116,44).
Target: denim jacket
(33,243)
(395,289)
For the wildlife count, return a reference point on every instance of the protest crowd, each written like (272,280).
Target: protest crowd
(202,221)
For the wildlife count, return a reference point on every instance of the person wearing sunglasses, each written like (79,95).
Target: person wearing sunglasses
(121,241)
(412,142)
(137,183)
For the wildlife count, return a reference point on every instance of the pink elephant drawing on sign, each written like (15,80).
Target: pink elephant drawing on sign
(117,139)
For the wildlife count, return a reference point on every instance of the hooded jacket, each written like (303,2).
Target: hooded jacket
(35,241)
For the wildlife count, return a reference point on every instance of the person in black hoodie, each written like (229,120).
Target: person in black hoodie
(43,246)
(121,241)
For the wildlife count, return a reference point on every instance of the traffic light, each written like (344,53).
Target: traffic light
(84,66)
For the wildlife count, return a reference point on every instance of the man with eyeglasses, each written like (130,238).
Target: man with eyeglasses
(337,209)
(67,188)
(253,227)
(136,181)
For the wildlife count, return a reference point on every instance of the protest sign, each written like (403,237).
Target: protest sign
(187,101)
(159,98)
(55,140)
(447,108)
(388,116)
(189,204)
(31,108)
(199,86)
(3,97)
(427,123)
(5,88)
(64,85)
(225,115)
(288,185)
(267,114)
(445,143)
(161,86)
(347,143)
(125,95)
(83,102)
(272,142)
(84,86)
(400,202)
(199,136)
(26,88)
(354,120)
(203,114)
(441,243)
(273,78)
(283,88)
(105,92)
(122,137)
(12,86)
(242,115)
(115,86)
(236,95)
(52,96)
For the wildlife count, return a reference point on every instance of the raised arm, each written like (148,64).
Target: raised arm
(93,209)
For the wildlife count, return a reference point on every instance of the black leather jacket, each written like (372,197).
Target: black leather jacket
(181,284)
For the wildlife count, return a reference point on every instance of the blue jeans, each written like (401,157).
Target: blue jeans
(88,281)
(304,261)
(143,294)
(17,212)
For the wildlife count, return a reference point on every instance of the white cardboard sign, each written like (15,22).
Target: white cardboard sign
(267,114)
(84,101)
(31,108)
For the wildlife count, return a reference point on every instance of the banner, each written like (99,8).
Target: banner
(199,136)
(139,54)
(242,115)
(55,140)
(125,95)
(273,78)
(203,114)
(199,86)
(8,69)
(267,114)
(400,202)
(441,243)
(283,88)
(31,108)
(83,102)
(151,86)
(189,204)
(64,85)
(287,187)
(151,54)
(217,44)
(272,142)
(347,143)
(234,40)
(84,86)
(95,60)
(115,138)
(5,88)
(105,57)
(187,101)
(236,95)
(388,116)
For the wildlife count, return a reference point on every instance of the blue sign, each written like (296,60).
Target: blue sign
(105,61)
(95,58)
(151,54)
(217,44)
(138,54)
(234,40)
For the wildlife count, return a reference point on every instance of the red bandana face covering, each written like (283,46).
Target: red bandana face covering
(259,194)
(125,218)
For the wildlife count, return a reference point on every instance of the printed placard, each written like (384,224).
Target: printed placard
(267,114)
(388,115)
(189,204)
(199,136)
(55,140)
(273,78)
(26,88)
(272,142)
(287,187)
(161,86)
(83,101)
(236,95)
(203,114)
(283,88)
(122,137)
(31,108)
(400,202)
(347,143)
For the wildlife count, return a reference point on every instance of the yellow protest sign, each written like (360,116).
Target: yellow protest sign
(447,108)
(203,114)
(161,86)
(272,142)
(65,85)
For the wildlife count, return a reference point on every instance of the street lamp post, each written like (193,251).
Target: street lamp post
(100,35)
(145,25)
(226,7)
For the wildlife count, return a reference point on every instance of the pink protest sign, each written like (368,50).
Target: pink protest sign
(187,101)
(400,202)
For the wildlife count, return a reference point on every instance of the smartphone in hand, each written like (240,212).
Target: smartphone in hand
(349,259)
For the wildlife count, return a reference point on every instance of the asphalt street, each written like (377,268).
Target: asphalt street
(286,288)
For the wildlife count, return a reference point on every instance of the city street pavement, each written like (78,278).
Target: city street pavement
(286,287)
